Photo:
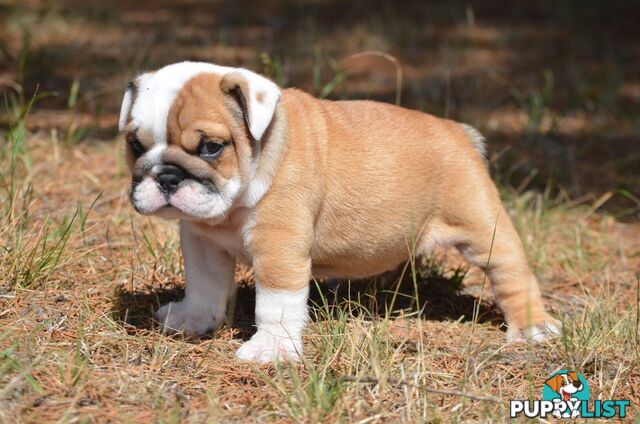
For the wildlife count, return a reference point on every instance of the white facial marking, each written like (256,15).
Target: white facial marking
(147,197)
(196,200)
(280,317)
(192,199)
(154,156)
(157,91)
(148,110)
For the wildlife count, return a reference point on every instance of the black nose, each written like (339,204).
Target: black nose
(577,384)
(169,178)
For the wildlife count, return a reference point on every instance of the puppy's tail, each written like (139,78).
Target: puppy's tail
(476,139)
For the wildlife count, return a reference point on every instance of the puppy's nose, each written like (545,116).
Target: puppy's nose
(169,178)
(577,384)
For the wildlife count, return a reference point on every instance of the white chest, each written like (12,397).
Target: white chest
(231,238)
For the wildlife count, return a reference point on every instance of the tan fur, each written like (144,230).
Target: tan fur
(199,112)
(356,184)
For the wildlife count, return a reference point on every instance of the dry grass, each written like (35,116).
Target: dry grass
(78,339)
(81,273)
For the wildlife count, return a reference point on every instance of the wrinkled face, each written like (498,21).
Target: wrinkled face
(193,134)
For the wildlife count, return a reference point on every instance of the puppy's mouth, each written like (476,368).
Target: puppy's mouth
(178,195)
(565,395)
(163,188)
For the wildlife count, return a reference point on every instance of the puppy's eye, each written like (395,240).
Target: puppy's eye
(210,150)
(137,147)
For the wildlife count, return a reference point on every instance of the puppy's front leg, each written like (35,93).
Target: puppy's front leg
(209,285)
(281,310)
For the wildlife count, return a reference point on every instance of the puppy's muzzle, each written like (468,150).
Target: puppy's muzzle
(169,178)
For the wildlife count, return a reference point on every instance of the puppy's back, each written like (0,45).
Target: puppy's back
(384,171)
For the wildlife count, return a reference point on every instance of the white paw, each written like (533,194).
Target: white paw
(536,333)
(265,347)
(187,318)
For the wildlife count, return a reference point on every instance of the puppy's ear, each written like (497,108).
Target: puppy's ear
(573,375)
(554,382)
(258,98)
(125,109)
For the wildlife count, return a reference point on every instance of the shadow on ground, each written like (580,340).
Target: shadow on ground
(433,295)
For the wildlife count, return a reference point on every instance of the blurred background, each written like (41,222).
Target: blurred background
(554,85)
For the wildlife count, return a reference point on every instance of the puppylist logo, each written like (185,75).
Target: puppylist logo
(566,394)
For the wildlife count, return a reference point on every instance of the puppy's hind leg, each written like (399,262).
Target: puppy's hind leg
(494,245)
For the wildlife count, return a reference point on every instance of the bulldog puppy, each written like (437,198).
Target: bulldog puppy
(299,187)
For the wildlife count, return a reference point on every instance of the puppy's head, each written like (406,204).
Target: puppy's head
(194,133)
